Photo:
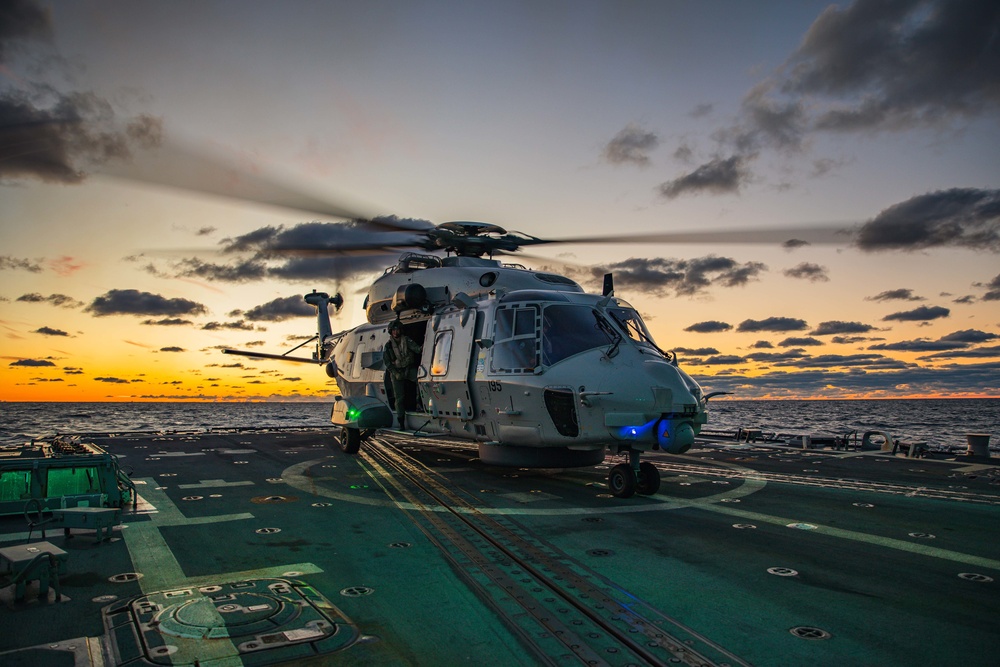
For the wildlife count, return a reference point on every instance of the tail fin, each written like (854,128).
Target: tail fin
(322,301)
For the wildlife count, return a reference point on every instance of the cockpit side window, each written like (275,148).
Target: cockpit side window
(630,322)
(570,329)
(516,340)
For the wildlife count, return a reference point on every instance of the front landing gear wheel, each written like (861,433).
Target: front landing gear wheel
(350,440)
(649,479)
(622,481)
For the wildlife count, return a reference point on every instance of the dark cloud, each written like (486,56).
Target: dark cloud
(773,324)
(994,289)
(14,263)
(792,244)
(22,21)
(970,336)
(895,295)
(111,380)
(808,271)
(206,231)
(71,370)
(872,66)
(685,276)
(279,310)
(168,322)
(32,362)
(868,361)
(59,141)
(964,217)
(718,360)
(328,251)
(896,65)
(921,314)
(172,348)
(762,345)
(710,326)
(239,325)
(850,340)
(919,345)
(799,342)
(134,302)
(698,352)
(957,340)
(49,331)
(60,300)
(989,352)
(839,327)
(52,135)
(718,176)
(631,146)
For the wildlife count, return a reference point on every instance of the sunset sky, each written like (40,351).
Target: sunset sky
(119,281)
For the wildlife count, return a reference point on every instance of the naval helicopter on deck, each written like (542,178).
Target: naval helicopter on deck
(526,363)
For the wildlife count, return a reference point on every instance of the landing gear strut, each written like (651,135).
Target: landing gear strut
(625,479)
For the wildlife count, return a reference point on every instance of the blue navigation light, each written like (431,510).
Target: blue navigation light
(639,432)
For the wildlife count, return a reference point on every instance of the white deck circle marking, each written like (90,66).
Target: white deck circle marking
(295,477)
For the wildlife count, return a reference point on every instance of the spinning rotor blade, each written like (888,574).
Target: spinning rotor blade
(183,167)
(789,235)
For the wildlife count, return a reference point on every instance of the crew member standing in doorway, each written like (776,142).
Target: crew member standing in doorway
(402,356)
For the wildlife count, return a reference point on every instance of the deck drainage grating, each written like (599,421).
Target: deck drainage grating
(125,577)
(400,545)
(782,571)
(267,531)
(922,536)
(357,591)
(271,500)
(808,632)
(972,576)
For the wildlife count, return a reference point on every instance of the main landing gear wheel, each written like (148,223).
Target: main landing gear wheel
(622,480)
(649,479)
(350,440)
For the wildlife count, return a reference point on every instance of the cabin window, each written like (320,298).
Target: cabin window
(442,352)
(356,361)
(516,340)
(72,482)
(569,330)
(15,484)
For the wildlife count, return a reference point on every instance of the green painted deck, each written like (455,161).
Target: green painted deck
(252,548)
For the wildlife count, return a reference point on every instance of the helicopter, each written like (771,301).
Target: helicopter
(526,363)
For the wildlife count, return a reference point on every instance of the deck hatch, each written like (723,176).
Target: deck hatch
(276,620)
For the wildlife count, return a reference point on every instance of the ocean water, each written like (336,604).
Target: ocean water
(939,422)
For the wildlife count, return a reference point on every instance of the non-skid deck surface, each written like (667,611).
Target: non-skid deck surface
(275,547)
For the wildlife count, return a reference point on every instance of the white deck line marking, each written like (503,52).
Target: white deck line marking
(877,540)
